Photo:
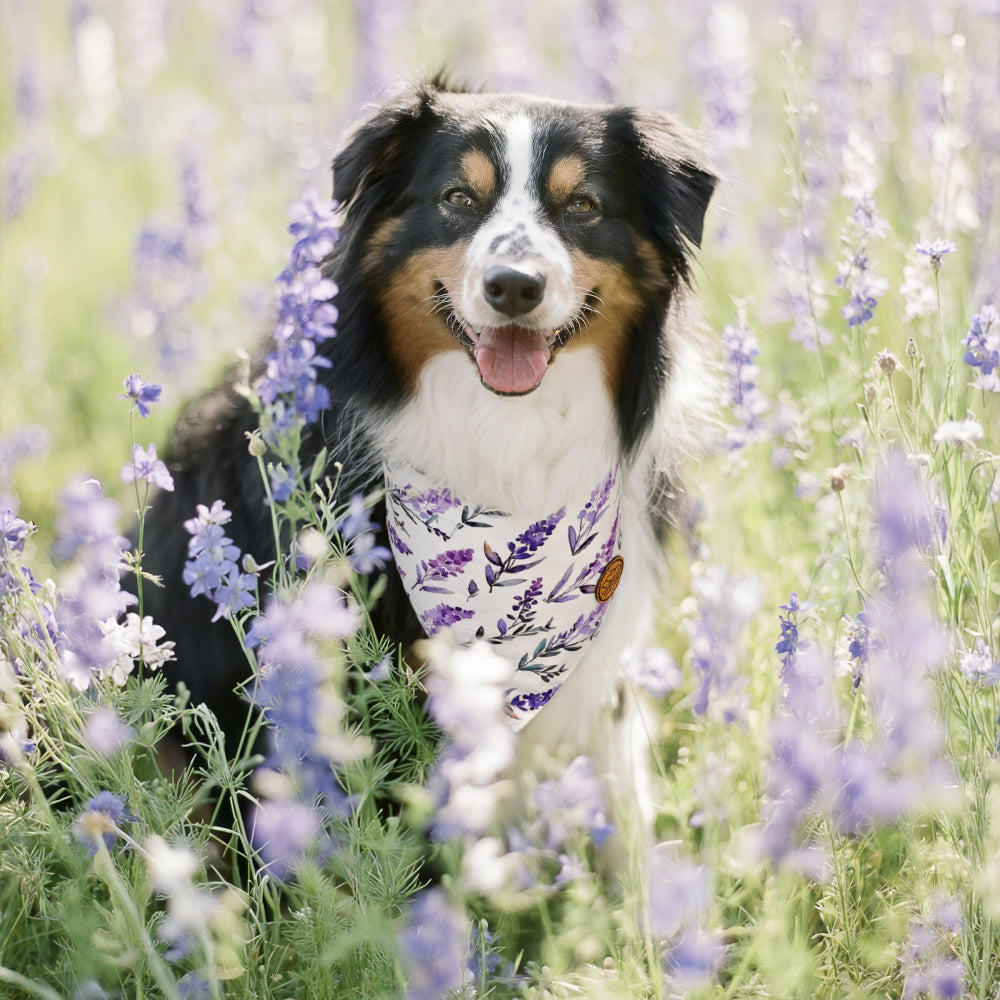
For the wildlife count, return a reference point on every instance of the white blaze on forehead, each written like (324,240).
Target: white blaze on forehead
(519,154)
(516,234)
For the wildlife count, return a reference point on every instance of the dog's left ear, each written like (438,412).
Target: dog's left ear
(673,182)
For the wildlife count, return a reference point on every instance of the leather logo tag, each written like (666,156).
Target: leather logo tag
(608,581)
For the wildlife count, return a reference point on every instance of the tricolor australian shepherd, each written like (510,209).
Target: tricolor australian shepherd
(518,366)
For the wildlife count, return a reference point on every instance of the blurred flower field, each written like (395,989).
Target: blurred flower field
(827,736)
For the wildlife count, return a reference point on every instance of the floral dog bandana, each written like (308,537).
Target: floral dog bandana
(538,592)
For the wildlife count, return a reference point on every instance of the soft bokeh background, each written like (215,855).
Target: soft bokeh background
(150,149)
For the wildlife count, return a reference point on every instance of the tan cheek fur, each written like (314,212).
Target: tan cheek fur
(619,303)
(416,328)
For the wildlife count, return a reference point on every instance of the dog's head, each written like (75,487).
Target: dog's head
(513,227)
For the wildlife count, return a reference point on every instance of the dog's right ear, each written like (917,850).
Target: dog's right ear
(380,144)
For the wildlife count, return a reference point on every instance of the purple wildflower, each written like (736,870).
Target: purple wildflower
(282,482)
(572,805)
(306,315)
(855,274)
(146,466)
(99,821)
(211,568)
(726,604)
(979,665)
(859,635)
(285,833)
(747,401)
(983,347)
(434,943)
(936,250)
(864,289)
(13,534)
(788,645)
(931,965)
(105,731)
(358,530)
(679,895)
(86,533)
(357,520)
(466,699)
(653,669)
(194,986)
(803,764)
(141,393)
(304,714)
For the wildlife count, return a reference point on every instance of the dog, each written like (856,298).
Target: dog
(519,368)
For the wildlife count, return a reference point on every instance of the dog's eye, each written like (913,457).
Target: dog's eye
(460,199)
(581,205)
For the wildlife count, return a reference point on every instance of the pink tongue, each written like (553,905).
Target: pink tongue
(512,359)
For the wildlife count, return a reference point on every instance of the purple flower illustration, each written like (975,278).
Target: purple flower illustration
(443,616)
(449,564)
(524,546)
(533,700)
(584,531)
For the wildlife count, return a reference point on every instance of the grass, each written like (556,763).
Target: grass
(896,105)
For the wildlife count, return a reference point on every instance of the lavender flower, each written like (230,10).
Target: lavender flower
(86,533)
(983,343)
(211,567)
(105,731)
(306,315)
(146,466)
(788,645)
(936,250)
(141,393)
(654,670)
(102,815)
(725,606)
(573,805)
(979,666)
(357,529)
(433,943)
(679,896)
(747,401)
(466,689)
(930,964)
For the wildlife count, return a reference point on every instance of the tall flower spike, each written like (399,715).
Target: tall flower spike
(306,317)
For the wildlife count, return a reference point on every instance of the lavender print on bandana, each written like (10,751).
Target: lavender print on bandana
(527,588)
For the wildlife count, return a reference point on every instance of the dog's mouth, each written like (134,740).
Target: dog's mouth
(512,359)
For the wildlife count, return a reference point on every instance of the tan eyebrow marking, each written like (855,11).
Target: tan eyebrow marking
(565,178)
(479,173)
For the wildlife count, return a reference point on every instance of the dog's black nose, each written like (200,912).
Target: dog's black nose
(512,292)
